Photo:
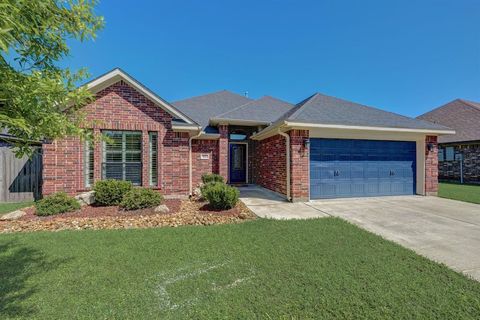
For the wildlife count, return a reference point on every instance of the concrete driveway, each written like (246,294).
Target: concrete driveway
(443,230)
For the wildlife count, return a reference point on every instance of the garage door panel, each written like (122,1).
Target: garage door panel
(346,168)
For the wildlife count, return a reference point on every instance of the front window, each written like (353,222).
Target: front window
(122,156)
(449,153)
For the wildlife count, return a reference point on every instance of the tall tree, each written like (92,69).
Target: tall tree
(39,99)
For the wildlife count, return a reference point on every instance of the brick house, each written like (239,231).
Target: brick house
(322,147)
(461,150)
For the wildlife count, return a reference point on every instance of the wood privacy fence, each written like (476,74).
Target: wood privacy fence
(20,179)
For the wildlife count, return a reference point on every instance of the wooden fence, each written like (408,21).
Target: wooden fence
(20,179)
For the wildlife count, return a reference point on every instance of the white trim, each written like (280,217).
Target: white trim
(214,121)
(180,128)
(246,159)
(287,125)
(389,129)
(117,74)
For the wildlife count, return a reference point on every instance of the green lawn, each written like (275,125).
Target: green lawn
(9,207)
(324,268)
(462,192)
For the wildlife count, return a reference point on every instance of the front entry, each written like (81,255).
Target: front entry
(238,163)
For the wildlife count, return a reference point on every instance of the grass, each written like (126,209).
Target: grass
(9,207)
(324,268)
(462,192)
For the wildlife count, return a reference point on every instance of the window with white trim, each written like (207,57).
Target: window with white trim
(153,149)
(122,156)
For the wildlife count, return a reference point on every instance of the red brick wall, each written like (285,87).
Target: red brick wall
(270,164)
(299,166)
(202,166)
(119,107)
(431,166)
(223,151)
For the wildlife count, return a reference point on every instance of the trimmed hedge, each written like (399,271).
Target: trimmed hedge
(56,203)
(220,196)
(140,198)
(110,192)
(212,177)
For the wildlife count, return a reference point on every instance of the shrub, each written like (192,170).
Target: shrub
(140,198)
(211,177)
(110,192)
(220,196)
(56,203)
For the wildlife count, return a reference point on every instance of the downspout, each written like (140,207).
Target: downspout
(287,147)
(190,187)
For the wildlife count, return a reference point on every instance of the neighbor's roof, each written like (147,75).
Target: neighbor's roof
(461,115)
(324,109)
(202,108)
(262,111)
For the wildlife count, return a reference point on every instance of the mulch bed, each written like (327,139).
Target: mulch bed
(182,212)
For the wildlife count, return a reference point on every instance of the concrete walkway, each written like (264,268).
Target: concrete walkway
(267,204)
(443,230)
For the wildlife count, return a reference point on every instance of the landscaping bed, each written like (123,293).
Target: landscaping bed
(182,212)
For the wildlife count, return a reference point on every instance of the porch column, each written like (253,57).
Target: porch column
(223,151)
(431,166)
(299,166)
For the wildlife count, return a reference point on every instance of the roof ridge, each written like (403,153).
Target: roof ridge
(473,104)
(212,94)
(236,108)
(301,106)
(250,102)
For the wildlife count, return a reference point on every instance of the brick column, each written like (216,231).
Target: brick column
(431,166)
(97,155)
(223,151)
(145,159)
(299,166)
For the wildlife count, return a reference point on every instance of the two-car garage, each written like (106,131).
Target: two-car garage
(360,168)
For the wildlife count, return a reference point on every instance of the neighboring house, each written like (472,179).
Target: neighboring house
(464,117)
(322,147)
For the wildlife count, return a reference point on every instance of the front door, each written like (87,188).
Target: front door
(238,163)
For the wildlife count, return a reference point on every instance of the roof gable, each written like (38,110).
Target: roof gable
(117,74)
(459,114)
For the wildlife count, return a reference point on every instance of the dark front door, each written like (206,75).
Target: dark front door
(238,163)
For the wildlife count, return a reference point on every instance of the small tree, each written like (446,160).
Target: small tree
(38,98)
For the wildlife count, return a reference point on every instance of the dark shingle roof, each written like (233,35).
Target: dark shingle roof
(324,109)
(202,108)
(264,110)
(461,115)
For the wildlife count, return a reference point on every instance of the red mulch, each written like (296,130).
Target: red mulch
(99,211)
(182,212)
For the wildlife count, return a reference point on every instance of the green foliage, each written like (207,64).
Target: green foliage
(140,198)
(461,192)
(38,98)
(220,196)
(56,203)
(110,192)
(212,177)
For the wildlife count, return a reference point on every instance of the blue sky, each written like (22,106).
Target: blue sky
(403,56)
